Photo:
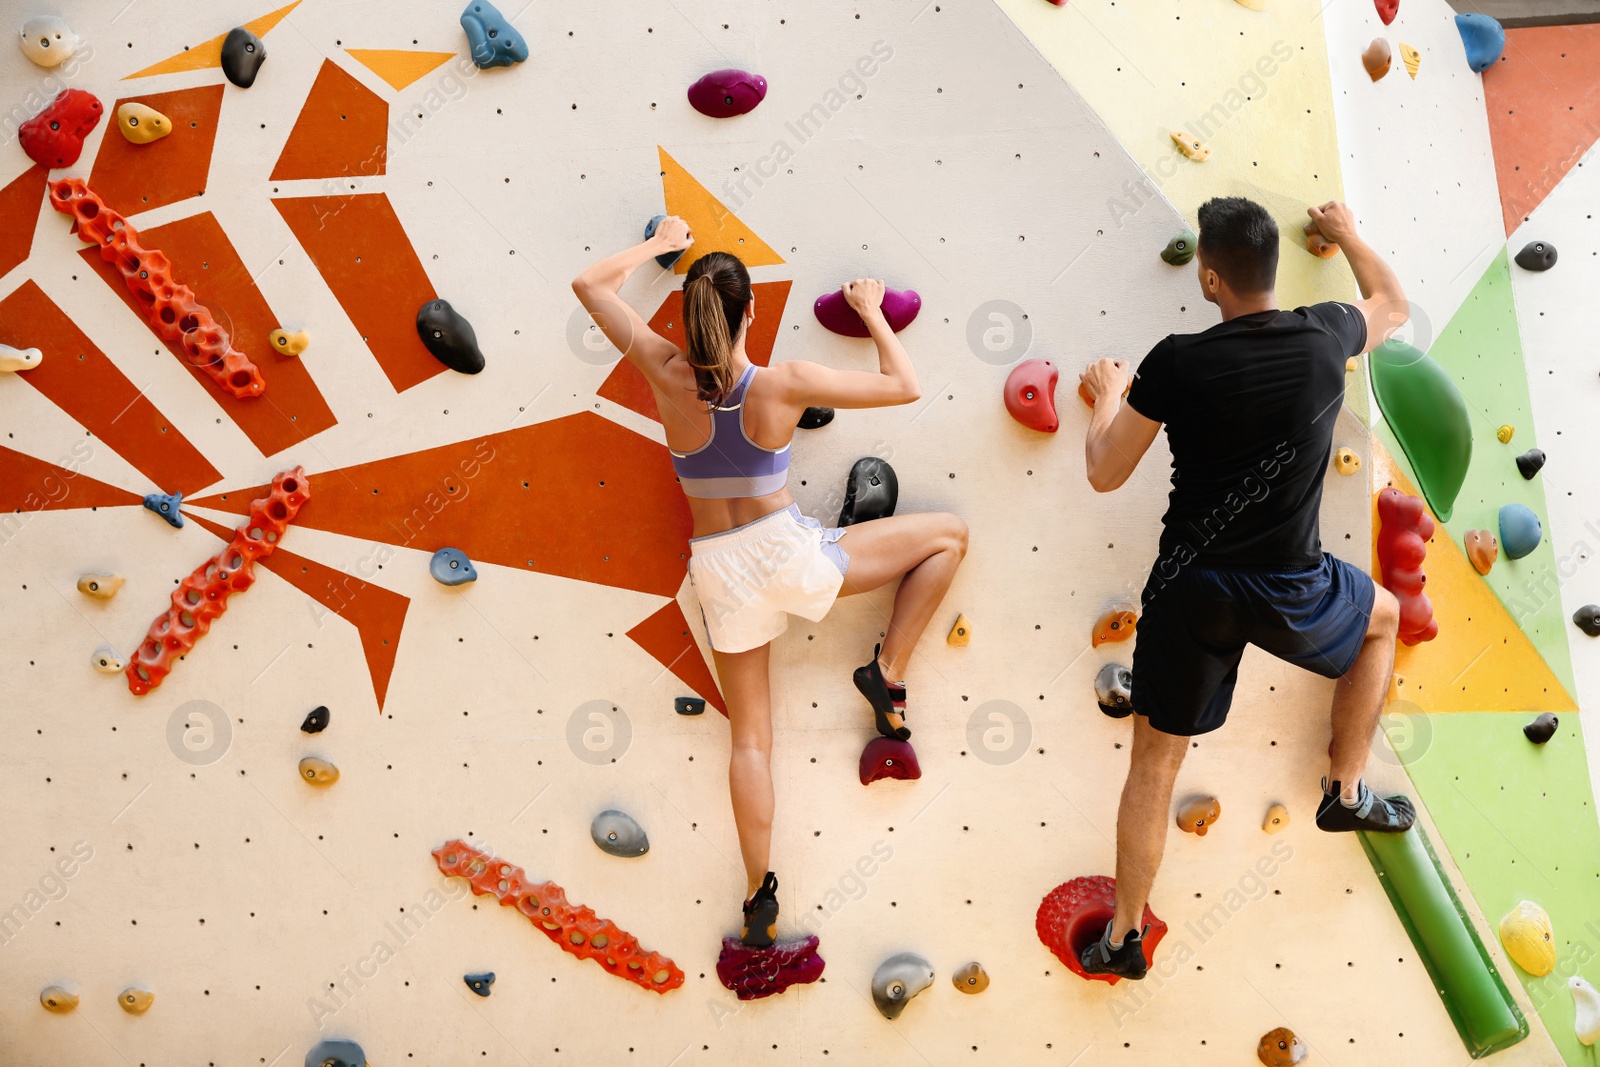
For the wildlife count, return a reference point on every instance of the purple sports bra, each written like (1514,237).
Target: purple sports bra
(729,464)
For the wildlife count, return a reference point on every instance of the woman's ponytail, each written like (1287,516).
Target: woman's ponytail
(715,295)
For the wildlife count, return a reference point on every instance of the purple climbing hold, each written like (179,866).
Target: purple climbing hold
(900,307)
(722,94)
(166,505)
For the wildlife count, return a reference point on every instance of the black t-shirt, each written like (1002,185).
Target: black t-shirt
(1249,407)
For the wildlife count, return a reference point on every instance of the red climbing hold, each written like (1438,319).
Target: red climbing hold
(1031,394)
(1387,9)
(203,596)
(887,757)
(54,137)
(753,973)
(1074,914)
(168,305)
(577,929)
(1405,527)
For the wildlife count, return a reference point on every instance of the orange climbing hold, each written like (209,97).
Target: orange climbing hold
(203,596)
(1114,625)
(168,305)
(574,927)
(1317,244)
(1074,914)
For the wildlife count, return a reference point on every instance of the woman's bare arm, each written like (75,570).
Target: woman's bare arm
(597,287)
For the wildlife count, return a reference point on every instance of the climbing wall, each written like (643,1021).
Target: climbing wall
(1013,163)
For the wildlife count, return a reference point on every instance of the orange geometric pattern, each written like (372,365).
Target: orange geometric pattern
(666,636)
(19,214)
(715,228)
(399,68)
(132,178)
(342,131)
(209,54)
(38,485)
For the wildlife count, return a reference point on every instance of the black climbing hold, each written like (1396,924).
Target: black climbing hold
(1530,462)
(336,1054)
(1537,255)
(242,55)
(665,259)
(1542,728)
(316,720)
(449,337)
(1113,688)
(871,492)
(479,983)
(1587,619)
(814,418)
(689,706)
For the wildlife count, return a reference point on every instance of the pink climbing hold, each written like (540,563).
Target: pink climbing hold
(723,94)
(54,137)
(888,757)
(1031,394)
(1074,915)
(1387,9)
(754,973)
(900,307)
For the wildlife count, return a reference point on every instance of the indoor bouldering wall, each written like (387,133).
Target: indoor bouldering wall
(261,841)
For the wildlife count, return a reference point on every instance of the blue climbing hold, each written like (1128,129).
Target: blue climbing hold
(1520,531)
(689,706)
(336,1054)
(479,983)
(1484,38)
(666,259)
(166,505)
(450,566)
(493,40)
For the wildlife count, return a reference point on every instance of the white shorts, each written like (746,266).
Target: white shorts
(751,578)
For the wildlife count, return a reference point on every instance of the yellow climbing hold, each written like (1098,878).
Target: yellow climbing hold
(288,344)
(318,772)
(100,586)
(142,124)
(1526,934)
(1412,59)
(1351,365)
(960,633)
(1254,5)
(1346,462)
(58,1000)
(1277,818)
(135,1001)
(1190,146)
(1505,432)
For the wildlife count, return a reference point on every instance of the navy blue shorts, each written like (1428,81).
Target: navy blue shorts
(1194,627)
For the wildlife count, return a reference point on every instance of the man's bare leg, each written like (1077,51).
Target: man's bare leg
(1358,696)
(1143,819)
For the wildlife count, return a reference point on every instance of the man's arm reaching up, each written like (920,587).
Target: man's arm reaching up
(1383,305)
(1118,436)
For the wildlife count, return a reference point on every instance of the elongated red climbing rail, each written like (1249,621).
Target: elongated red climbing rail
(203,596)
(576,928)
(168,305)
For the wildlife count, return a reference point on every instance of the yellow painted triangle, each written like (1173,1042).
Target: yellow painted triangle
(398,68)
(714,227)
(209,54)
(1481,660)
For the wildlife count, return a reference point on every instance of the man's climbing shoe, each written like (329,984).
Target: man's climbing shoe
(1125,962)
(1372,813)
(761,914)
(888,700)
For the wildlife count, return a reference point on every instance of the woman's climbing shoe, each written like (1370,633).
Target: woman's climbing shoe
(1126,961)
(888,701)
(1373,813)
(761,914)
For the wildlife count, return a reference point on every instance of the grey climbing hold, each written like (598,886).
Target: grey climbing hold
(449,337)
(166,505)
(493,41)
(1537,255)
(316,720)
(1113,688)
(336,1054)
(815,418)
(898,979)
(1530,462)
(1587,619)
(689,706)
(666,259)
(870,493)
(617,833)
(242,56)
(1542,728)
(450,566)
(1180,249)
(480,983)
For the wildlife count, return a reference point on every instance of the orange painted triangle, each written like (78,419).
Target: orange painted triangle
(665,635)
(714,227)
(1481,660)
(209,54)
(1543,101)
(398,68)
(626,386)
(33,484)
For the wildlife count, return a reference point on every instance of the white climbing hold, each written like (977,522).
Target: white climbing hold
(1586,1010)
(15,359)
(48,40)
(106,661)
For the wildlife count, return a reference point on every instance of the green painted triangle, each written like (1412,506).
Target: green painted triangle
(1519,820)
(1481,350)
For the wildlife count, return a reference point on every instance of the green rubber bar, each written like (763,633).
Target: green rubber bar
(1486,1016)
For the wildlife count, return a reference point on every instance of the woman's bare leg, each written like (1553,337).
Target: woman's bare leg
(926,549)
(748,693)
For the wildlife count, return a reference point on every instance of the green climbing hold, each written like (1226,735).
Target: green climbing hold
(1429,418)
(1180,249)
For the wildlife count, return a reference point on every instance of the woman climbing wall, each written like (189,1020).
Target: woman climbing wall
(755,559)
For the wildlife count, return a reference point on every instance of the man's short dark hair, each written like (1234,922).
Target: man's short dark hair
(1239,240)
